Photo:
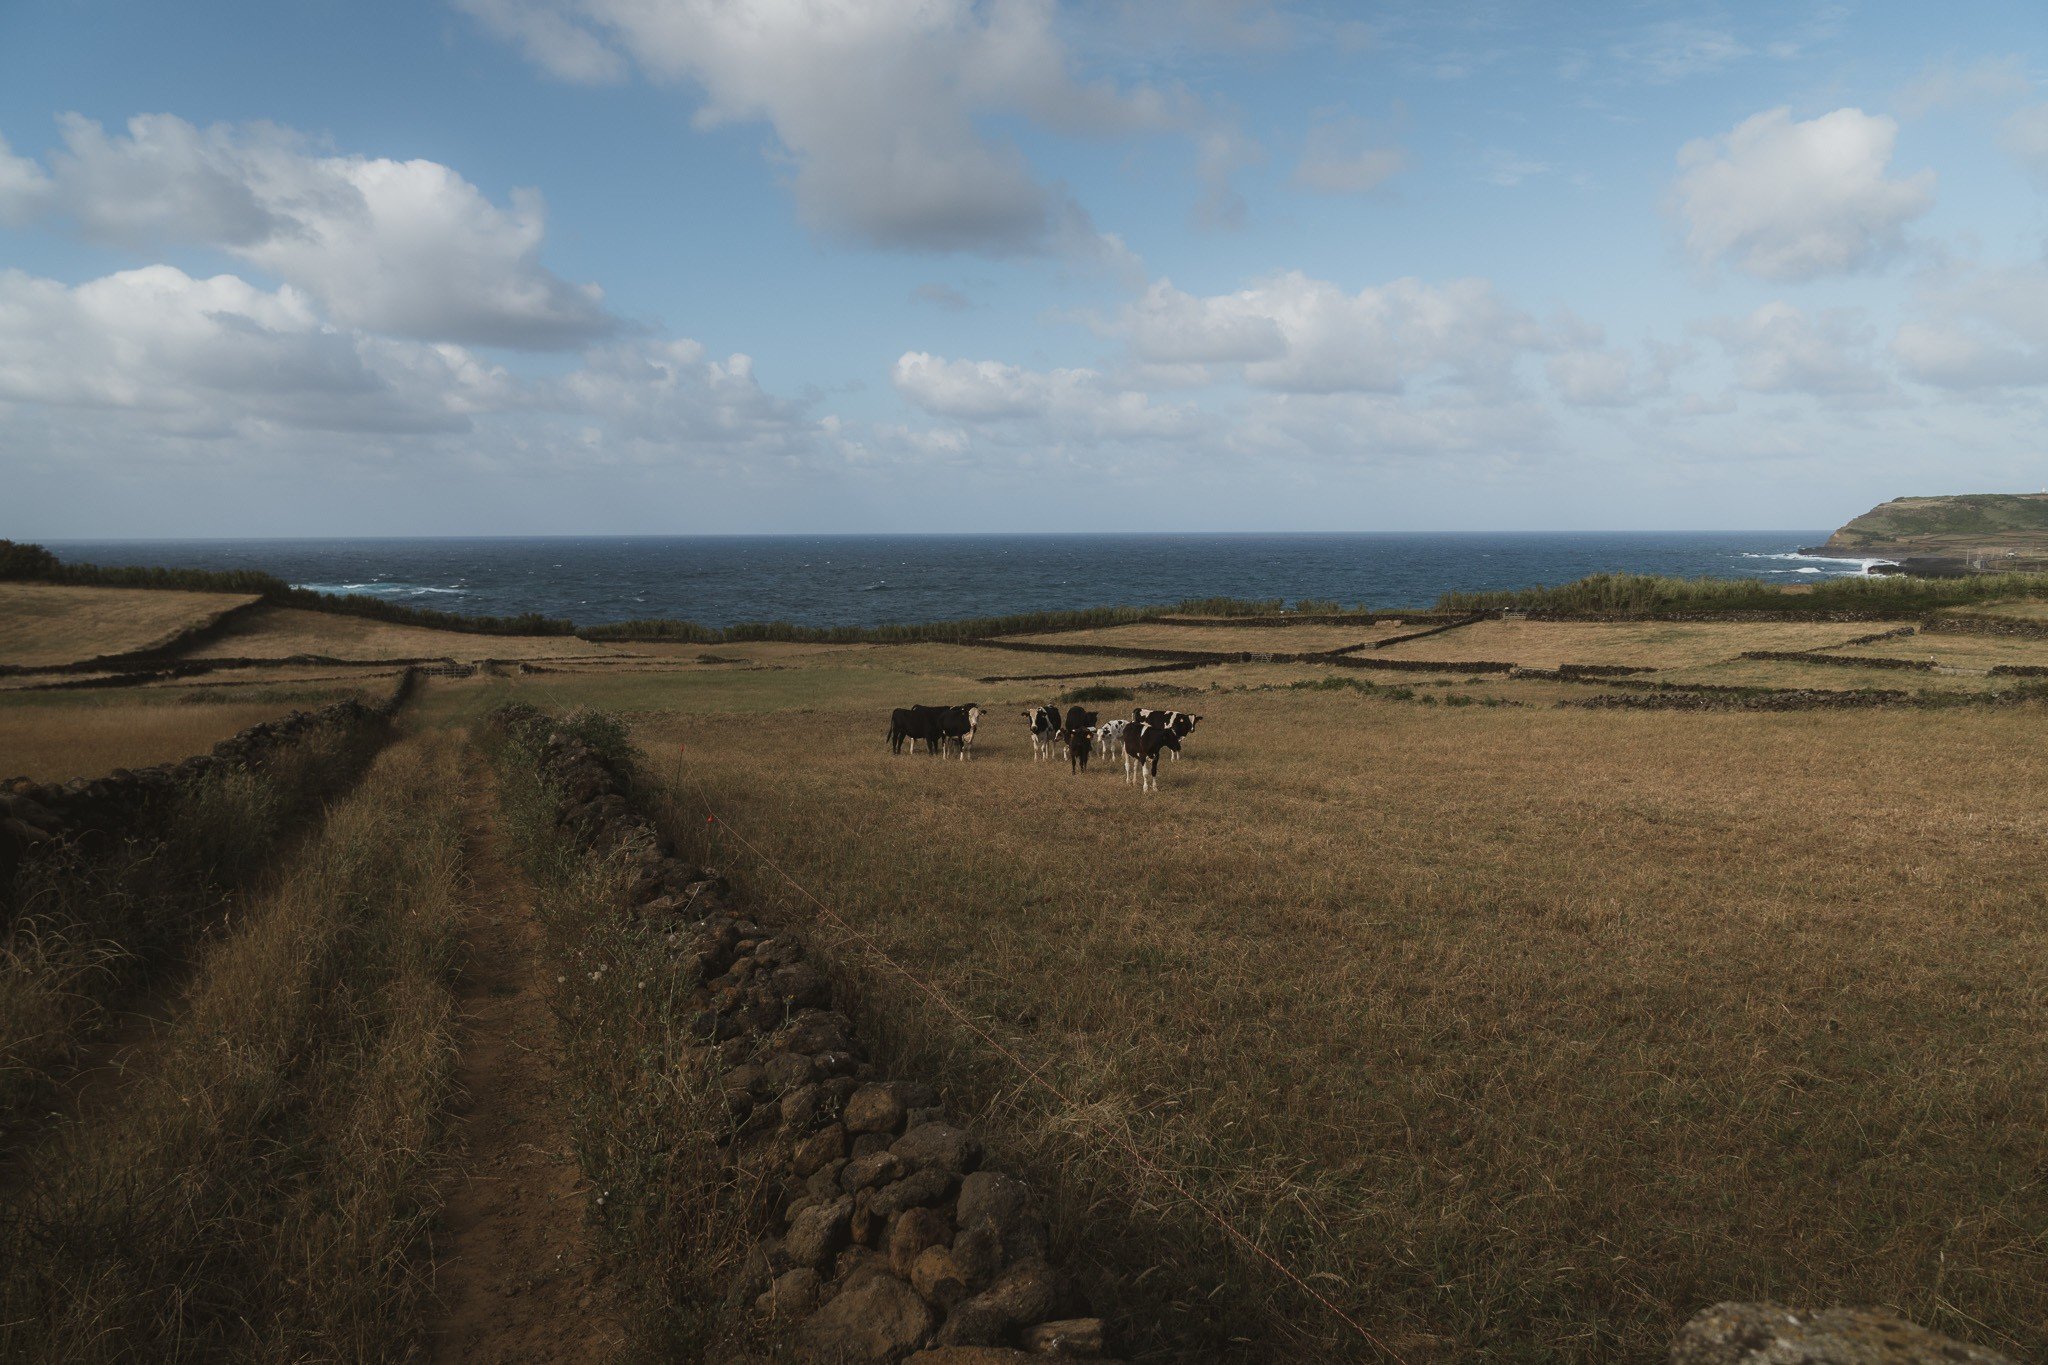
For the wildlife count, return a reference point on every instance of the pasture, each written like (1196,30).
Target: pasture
(46,624)
(1520,1029)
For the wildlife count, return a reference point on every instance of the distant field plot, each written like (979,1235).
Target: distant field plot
(53,740)
(1416,1000)
(280,632)
(43,624)
(1650,644)
(1226,639)
(1955,651)
(2025,608)
(1830,677)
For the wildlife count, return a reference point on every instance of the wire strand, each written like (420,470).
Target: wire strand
(1131,1149)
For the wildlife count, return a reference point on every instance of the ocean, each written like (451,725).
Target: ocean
(874,580)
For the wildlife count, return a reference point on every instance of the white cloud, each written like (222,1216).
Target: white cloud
(1947,83)
(874,103)
(403,247)
(2026,136)
(1292,333)
(1786,200)
(24,188)
(1979,328)
(1347,156)
(1077,402)
(1508,169)
(1779,348)
(219,355)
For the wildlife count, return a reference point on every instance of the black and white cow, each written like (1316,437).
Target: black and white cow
(1045,729)
(1109,736)
(909,724)
(1143,743)
(1180,722)
(1079,736)
(956,728)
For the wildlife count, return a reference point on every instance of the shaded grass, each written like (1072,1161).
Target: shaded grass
(92,925)
(1649,644)
(1413,1004)
(259,1191)
(646,1121)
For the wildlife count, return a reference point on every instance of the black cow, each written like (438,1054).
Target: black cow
(909,724)
(1078,734)
(956,728)
(1045,729)
(1143,742)
(1180,722)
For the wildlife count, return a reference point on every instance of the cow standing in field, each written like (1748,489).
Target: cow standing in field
(1079,734)
(956,726)
(1143,743)
(909,724)
(1045,729)
(1180,722)
(1109,736)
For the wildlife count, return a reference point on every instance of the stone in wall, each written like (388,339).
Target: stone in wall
(1768,1334)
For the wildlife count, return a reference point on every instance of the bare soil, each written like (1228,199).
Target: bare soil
(517,1277)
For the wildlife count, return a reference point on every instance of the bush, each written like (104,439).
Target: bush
(1095,693)
(1627,594)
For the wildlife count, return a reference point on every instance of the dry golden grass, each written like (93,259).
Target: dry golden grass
(1780,673)
(1650,644)
(43,624)
(279,632)
(1955,651)
(1536,1029)
(1226,639)
(52,740)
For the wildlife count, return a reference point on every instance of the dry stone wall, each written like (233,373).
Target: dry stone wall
(892,1239)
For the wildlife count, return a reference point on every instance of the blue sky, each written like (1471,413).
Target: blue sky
(587,266)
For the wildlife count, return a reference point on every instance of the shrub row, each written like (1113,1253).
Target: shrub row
(1641,595)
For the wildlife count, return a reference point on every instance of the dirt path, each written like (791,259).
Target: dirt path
(516,1274)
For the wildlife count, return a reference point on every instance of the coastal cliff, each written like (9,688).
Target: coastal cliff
(1962,533)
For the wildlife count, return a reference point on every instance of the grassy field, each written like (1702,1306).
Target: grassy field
(280,632)
(54,736)
(44,624)
(1523,1030)
(1255,639)
(1546,644)
(1414,1002)
(1955,651)
(266,1167)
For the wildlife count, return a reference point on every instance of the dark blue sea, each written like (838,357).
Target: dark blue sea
(872,580)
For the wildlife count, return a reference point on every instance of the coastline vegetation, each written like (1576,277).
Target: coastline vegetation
(1630,594)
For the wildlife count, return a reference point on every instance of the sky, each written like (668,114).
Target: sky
(478,267)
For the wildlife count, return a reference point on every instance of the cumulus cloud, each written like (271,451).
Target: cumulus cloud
(1074,401)
(408,248)
(24,188)
(1979,328)
(219,355)
(1780,348)
(875,104)
(1292,333)
(1787,200)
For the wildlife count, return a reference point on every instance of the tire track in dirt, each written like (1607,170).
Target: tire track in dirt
(517,1276)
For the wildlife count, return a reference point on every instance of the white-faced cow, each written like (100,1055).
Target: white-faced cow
(1079,736)
(1045,728)
(1142,746)
(1109,736)
(956,728)
(1180,722)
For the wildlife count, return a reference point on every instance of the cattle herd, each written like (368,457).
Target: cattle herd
(1076,736)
